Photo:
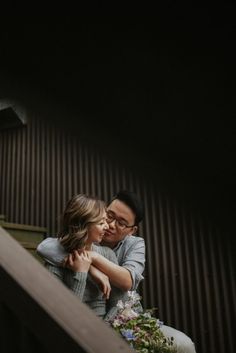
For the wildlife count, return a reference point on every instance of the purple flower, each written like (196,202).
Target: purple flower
(128,334)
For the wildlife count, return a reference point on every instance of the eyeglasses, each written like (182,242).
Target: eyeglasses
(119,223)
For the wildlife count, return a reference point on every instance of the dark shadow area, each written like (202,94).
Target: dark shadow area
(156,92)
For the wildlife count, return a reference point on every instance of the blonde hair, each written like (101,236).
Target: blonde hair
(80,212)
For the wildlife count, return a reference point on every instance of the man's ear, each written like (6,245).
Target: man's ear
(135,229)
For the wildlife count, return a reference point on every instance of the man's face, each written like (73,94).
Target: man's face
(122,224)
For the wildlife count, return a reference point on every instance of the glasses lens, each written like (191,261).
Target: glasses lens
(110,218)
(121,224)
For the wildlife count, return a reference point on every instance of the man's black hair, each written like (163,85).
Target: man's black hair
(133,202)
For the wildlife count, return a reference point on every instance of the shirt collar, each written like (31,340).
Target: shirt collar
(120,243)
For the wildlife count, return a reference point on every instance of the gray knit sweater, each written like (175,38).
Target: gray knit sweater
(83,285)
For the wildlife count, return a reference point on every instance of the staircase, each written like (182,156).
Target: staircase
(27,235)
(38,314)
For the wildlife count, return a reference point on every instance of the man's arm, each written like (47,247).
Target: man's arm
(119,276)
(128,274)
(52,251)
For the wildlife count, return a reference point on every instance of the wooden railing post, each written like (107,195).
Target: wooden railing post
(45,310)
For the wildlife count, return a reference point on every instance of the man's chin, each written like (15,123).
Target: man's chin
(106,240)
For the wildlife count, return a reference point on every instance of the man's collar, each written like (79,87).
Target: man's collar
(120,243)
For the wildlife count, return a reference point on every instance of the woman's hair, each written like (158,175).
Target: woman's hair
(80,212)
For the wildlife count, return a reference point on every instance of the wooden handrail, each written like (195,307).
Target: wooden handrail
(26,227)
(58,319)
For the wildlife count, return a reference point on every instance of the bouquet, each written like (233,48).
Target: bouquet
(140,329)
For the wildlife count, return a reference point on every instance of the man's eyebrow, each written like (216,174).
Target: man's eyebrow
(120,218)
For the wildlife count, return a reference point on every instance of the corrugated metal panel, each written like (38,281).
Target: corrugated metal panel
(189,274)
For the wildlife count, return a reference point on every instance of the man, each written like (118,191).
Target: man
(124,213)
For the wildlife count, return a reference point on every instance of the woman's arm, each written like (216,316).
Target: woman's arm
(75,275)
(102,281)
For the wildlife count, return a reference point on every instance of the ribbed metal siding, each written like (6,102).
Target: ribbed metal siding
(42,167)
(189,274)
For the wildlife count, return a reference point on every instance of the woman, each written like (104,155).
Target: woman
(83,224)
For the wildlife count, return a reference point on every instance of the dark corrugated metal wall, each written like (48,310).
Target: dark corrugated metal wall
(189,274)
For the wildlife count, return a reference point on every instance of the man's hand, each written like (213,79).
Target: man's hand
(102,281)
(78,261)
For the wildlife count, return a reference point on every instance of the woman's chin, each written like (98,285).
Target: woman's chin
(98,241)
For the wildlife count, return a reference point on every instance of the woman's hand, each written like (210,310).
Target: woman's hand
(79,261)
(102,281)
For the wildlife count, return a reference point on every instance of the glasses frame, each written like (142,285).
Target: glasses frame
(121,226)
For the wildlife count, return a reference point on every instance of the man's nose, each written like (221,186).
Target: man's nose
(112,224)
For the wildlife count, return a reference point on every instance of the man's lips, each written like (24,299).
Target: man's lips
(108,233)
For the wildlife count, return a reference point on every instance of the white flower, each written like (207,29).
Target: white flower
(147,315)
(116,323)
(134,296)
(120,304)
(128,313)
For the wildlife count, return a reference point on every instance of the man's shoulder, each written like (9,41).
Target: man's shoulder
(51,250)
(49,241)
(133,240)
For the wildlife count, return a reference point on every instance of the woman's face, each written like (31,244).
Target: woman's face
(96,231)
